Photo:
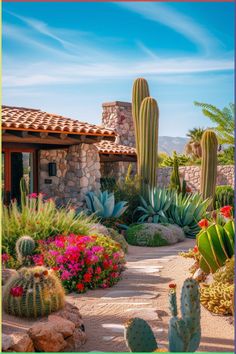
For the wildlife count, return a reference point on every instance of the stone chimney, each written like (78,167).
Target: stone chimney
(118,116)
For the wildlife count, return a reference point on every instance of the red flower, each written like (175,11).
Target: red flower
(195,249)
(203,223)
(80,287)
(32,195)
(17,291)
(106,264)
(87,277)
(226,211)
(115,267)
(172,286)
(98,270)
(55,268)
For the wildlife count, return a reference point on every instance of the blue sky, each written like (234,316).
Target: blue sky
(69,58)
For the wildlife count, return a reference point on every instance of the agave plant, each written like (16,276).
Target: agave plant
(154,210)
(186,211)
(102,204)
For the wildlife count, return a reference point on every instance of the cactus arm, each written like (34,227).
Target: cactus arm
(173,303)
(178,335)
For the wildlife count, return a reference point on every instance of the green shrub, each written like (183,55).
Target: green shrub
(40,219)
(224,196)
(154,235)
(118,238)
(108,183)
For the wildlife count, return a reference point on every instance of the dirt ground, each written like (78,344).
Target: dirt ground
(143,292)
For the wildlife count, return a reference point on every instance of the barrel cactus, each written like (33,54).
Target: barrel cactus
(33,292)
(209,144)
(25,246)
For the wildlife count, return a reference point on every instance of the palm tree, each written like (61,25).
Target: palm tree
(223,118)
(193,147)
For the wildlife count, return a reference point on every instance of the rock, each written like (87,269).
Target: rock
(6,274)
(22,343)
(46,339)
(7,342)
(61,325)
(71,313)
(76,340)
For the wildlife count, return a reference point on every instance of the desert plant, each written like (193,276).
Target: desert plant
(119,238)
(224,196)
(108,183)
(155,208)
(102,204)
(175,182)
(183,160)
(32,293)
(25,246)
(193,147)
(223,118)
(209,145)
(186,211)
(140,91)
(184,333)
(216,245)
(40,219)
(226,156)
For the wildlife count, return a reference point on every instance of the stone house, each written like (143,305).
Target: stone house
(62,157)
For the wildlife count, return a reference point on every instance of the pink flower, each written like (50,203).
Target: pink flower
(65,275)
(5,257)
(38,259)
(17,291)
(98,270)
(32,195)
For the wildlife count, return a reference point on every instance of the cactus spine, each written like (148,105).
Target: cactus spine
(209,146)
(149,118)
(185,332)
(140,91)
(32,293)
(25,246)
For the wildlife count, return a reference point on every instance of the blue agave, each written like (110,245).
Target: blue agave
(102,204)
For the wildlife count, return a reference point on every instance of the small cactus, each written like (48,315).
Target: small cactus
(33,292)
(25,246)
(139,336)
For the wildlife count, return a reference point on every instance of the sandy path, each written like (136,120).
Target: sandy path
(143,292)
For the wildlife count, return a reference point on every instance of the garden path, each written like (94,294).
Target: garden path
(143,292)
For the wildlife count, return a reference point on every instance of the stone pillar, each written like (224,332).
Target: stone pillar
(118,116)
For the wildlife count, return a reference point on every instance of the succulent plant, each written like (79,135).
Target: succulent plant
(224,196)
(186,211)
(209,144)
(32,293)
(25,246)
(102,204)
(154,209)
(175,182)
(184,333)
(216,245)
(140,91)
(148,135)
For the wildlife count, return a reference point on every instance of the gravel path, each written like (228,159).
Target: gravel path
(143,293)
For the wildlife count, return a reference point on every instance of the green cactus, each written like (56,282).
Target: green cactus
(174,178)
(32,293)
(24,190)
(216,245)
(209,146)
(185,332)
(140,91)
(149,118)
(139,336)
(25,246)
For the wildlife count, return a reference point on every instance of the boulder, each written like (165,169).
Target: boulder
(71,313)
(75,341)
(61,325)
(7,342)
(22,343)
(154,235)
(45,338)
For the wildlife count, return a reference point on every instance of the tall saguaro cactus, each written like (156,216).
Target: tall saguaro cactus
(209,146)
(146,117)
(140,91)
(148,125)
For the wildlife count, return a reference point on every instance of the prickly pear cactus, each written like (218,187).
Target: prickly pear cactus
(33,292)
(185,332)
(139,336)
(25,246)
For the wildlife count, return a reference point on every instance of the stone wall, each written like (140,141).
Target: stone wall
(118,116)
(78,171)
(225,176)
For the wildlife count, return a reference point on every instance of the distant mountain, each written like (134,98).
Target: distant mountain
(168,144)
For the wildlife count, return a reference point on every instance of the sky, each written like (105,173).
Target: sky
(69,58)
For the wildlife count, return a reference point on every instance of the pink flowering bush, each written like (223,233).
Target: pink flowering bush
(83,262)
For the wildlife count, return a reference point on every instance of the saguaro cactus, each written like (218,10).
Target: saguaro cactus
(140,91)
(33,292)
(25,246)
(209,146)
(149,119)
(185,332)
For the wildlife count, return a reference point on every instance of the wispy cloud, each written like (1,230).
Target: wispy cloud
(186,26)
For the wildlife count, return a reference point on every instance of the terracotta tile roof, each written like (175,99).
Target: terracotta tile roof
(18,118)
(109,147)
